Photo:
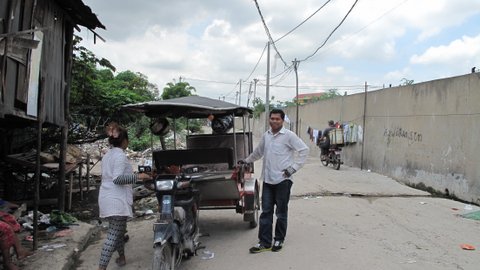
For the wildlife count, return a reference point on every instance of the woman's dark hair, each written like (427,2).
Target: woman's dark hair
(116,134)
(277,111)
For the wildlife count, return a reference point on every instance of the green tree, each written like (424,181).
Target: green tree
(331,93)
(138,83)
(177,89)
(97,95)
(259,106)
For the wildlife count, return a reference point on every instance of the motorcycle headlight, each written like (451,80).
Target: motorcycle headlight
(164,185)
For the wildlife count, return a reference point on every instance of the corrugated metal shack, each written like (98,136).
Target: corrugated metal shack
(36,43)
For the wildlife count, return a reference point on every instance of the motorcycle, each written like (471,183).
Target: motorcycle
(176,231)
(332,157)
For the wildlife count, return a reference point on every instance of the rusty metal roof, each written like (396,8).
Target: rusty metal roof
(80,13)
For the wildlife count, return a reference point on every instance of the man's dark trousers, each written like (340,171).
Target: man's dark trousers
(274,195)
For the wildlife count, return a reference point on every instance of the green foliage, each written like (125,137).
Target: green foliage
(331,93)
(139,136)
(181,89)
(97,94)
(177,89)
(284,104)
(259,106)
(405,81)
(138,83)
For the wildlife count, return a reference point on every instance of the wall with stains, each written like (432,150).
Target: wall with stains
(425,134)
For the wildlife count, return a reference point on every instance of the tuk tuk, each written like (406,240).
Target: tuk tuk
(210,160)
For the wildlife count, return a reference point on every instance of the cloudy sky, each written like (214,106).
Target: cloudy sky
(214,44)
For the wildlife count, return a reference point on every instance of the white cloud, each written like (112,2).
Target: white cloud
(465,50)
(336,70)
(396,76)
(223,40)
(217,29)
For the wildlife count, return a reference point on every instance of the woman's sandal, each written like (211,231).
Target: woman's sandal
(120,262)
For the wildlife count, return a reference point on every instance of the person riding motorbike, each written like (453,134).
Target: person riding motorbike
(325,139)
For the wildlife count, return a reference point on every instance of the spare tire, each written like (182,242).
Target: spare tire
(222,124)
(160,127)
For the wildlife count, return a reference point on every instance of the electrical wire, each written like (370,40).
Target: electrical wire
(308,18)
(281,73)
(233,90)
(331,33)
(246,80)
(369,24)
(283,77)
(338,87)
(268,33)
(210,81)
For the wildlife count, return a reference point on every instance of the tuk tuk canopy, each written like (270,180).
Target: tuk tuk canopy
(189,107)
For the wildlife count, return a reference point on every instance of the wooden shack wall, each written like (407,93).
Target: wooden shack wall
(51,18)
(14,70)
(53,61)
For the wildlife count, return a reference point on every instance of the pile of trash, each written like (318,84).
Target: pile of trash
(53,225)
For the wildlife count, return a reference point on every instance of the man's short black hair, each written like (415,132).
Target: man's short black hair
(331,123)
(277,111)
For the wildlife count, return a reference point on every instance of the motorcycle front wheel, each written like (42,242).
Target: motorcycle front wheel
(163,258)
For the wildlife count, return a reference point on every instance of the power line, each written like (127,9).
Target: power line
(331,33)
(210,81)
(268,33)
(308,18)
(372,22)
(338,87)
(257,63)
(289,68)
(233,90)
(283,77)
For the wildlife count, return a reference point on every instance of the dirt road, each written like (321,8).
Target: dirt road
(347,219)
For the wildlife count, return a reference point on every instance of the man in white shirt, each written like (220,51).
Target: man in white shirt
(277,147)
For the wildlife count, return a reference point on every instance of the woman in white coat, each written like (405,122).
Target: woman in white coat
(115,198)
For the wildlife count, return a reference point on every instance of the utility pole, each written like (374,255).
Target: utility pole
(363,130)
(249,94)
(240,94)
(255,89)
(267,96)
(295,67)
(236,97)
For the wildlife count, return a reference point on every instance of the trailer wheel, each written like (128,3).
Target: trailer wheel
(256,205)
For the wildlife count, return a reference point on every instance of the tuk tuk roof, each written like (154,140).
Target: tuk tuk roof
(190,107)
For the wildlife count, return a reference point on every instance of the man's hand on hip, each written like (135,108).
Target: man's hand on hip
(288,172)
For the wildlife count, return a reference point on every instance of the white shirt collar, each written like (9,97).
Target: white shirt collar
(282,130)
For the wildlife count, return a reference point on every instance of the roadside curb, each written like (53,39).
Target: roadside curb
(81,246)
(66,255)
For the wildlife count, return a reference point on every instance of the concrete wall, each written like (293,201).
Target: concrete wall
(422,134)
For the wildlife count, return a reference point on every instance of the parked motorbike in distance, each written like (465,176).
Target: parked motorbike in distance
(332,157)
(176,230)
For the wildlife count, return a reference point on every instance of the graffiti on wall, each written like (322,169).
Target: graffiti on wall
(411,136)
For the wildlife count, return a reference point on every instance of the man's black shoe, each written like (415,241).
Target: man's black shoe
(259,248)
(277,246)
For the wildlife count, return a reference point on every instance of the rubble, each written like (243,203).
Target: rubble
(146,206)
